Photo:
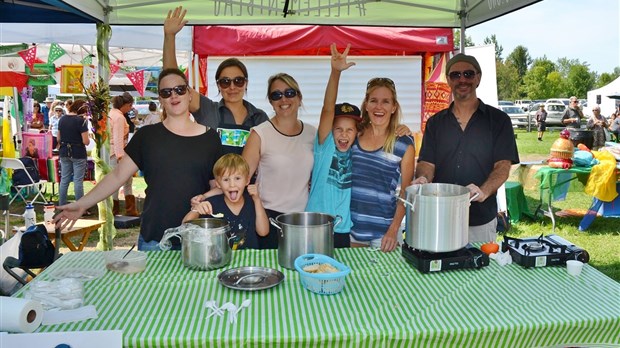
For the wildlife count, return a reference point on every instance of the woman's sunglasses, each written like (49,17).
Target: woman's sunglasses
(467,74)
(167,92)
(379,81)
(225,82)
(277,95)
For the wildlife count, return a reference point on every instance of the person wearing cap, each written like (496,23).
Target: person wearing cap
(541,121)
(54,118)
(469,144)
(46,109)
(330,188)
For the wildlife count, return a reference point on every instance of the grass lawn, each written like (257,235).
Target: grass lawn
(601,240)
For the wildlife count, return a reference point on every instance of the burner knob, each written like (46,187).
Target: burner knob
(582,256)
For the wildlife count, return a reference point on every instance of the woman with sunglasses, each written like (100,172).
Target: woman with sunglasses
(37,117)
(381,161)
(172,173)
(232,116)
(119,131)
(282,152)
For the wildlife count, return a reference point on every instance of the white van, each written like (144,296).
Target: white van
(523,103)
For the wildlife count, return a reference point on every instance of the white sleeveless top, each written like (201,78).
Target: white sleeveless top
(284,168)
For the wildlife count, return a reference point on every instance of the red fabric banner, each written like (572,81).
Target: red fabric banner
(257,40)
(13,79)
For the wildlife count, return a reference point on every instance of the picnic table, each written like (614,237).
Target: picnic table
(385,302)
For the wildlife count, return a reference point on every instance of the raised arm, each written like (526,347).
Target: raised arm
(175,21)
(338,64)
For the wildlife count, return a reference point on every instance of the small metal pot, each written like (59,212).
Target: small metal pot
(304,233)
(204,243)
(438,217)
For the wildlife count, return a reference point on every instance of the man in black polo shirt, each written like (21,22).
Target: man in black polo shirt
(469,144)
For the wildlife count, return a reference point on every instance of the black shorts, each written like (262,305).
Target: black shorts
(342,240)
(542,126)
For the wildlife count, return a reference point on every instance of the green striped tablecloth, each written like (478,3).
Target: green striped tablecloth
(385,302)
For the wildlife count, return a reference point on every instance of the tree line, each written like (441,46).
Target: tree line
(519,76)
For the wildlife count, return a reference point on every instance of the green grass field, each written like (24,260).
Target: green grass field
(601,240)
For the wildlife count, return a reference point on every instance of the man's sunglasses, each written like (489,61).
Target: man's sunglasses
(277,95)
(167,92)
(467,74)
(225,82)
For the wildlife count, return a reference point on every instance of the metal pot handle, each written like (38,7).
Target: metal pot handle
(337,220)
(164,243)
(405,202)
(474,197)
(275,224)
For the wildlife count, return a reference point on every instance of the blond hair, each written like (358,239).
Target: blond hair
(373,84)
(231,163)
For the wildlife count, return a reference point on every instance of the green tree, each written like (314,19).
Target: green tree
(579,81)
(507,81)
(604,79)
(457,40)
(520,58)
(564,65)
(539,82)
(498,48)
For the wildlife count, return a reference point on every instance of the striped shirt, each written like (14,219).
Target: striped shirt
(376,175)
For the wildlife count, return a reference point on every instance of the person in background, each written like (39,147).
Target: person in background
(119,131)
(541,121)
(153,116)
(73,137)
(597,123)
(243,210)
(381,162)
(572,115)
(614,127)
(67,105)
(173,174)
(53,124)
(232,116)
(469,144)
(46,110)
(37,117)
(281,151)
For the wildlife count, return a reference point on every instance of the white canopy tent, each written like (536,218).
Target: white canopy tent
(608,105)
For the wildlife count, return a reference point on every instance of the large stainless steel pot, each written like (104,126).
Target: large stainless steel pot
(438,217)
(304,233)
(204,243)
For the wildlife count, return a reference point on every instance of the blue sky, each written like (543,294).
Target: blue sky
(575,29)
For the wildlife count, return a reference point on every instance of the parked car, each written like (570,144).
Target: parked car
(518,117)
(564,101)
(505,102)
(554,113)
(523,103)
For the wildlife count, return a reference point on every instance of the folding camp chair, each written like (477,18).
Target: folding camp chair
(21,190)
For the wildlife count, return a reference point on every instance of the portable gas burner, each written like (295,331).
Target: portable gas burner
(551,250)
(426,261)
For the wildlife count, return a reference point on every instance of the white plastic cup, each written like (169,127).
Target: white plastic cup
(574,267)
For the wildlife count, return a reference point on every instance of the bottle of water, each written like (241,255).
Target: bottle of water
(48,213)
(29,216)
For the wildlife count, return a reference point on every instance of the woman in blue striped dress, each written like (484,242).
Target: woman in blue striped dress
(381,161)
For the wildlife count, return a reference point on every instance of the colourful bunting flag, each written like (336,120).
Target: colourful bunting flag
(88,60)
(55,52)
(89,76)
(137,78)
(29,56)
(113,69)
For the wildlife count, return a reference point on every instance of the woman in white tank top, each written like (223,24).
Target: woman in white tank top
(281,151)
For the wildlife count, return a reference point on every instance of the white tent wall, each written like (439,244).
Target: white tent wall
(487,91)
(608,105)
(312,72)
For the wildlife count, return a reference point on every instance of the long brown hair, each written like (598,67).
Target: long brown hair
(373,84)
(164,73)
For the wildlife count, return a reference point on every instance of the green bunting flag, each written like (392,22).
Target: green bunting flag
(55,52)
(88,60)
